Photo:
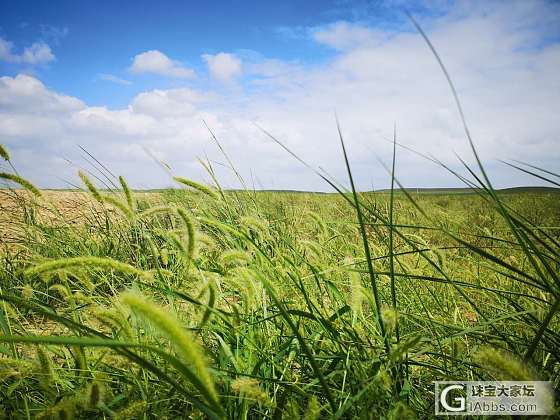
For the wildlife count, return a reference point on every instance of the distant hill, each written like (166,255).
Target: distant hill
(471,191)
(431,190)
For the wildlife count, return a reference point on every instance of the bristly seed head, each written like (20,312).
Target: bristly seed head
(196,186)
(23,182)
(89,185)
(4,153)
(505,366)
(169,326)
(27,292)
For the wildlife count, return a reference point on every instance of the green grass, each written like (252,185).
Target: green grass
(274,290)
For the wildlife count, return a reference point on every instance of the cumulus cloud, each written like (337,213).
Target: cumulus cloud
(156,62)
(36,53)
(503,61)
(223,66)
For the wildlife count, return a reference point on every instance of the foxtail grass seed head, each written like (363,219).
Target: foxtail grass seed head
(45,372)
(90,187)
(234,257)
(128,194)
(19,368)
(107,317)
(410,344)
(79,356)
(173,239)
(115,317)
(85,262)
(459,347)
(313,411)
(312,247)
(249,388)
(152,211)
(190,232)
(246,283)
(293,409)
(390,319)
(319,221)
(81,298)
(205,242)
(255,224)
(94,394)
(196,186)
(4,153)
(63,410)
(27,292)
(62,290)
(505,366)
(383,380)
(221,226)
(125,210)
(169,326)
(132,411)
(164,257)
(23,182)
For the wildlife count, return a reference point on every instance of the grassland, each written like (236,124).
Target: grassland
(203,303)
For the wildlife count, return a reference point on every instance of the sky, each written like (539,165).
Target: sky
(140,83)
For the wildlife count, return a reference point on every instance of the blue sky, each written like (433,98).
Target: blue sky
(124,77)
(93,38)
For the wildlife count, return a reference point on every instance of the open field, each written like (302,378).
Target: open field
(212,304)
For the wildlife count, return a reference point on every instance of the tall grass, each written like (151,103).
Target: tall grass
(277,296)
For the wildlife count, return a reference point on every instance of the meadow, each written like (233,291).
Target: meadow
(198,302)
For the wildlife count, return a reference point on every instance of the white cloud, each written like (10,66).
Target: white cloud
(223,66)
(496,53)
(36,53)
(156,62)
(169,103)
(344,35)
(26,95)
(115,79)
(271,68)
(256,66)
